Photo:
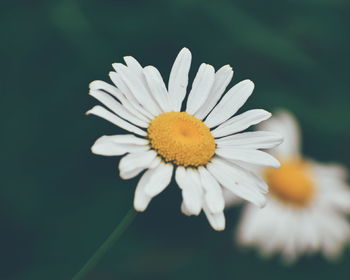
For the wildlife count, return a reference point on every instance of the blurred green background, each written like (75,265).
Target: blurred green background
(58,201)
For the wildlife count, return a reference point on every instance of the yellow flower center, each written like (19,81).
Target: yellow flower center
(292,183)
(181,138)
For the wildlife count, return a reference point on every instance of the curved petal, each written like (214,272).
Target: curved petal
(129,96)
(138,88)
(188,181)
(241,122)
(102,85)
(201,87)
(251,140)
(231,199)
(112,90)
(230,103)
(151,79)
(249,171)
(133,64)
(132,164)
(178,78)
(142,198)
(284,123)
(236,181)
(252,173)
(249,156)
(216,220)
(222,78)
(160,181)
(117,108)
(116,145)
(105,114)
(213,195)
(184,209)
(157,87)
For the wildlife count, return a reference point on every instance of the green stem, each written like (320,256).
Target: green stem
(101,251)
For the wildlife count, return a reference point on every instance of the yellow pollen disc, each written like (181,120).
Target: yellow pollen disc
(181,138)
(292,183)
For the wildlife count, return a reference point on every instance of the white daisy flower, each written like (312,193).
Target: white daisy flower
(200,144)
(307,203)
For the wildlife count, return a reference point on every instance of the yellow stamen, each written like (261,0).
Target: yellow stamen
(181,138)
(292,183)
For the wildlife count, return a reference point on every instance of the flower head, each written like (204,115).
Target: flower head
(200,142)
(307,203)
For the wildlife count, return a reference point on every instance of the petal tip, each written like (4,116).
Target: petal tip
(277,164)
(249,82)
(89,111)
(140,207)
(93,149)
(185,52)
(219,228)
(92,84)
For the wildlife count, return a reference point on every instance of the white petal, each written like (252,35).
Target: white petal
(249,156)
(236,181)
(105,114)
(201,87)
(129,96)
(284,123)
(251,220)
(130,173)
(222,78)
(132,164)
(251,140)
(250,171)
(155,162)
(154,82)
(310,238)
(116,107)
(230,103)
(213,194)
(241,122)
(121,85)
(217,220)
(136,69)
(126,139)
(331,170)
(268,228)
(160,179)
(133,64)
(188,181)
(138,88)
(112,90)
(178,79)
(116,145)
(157,87)
(231,199)
(340,200)
(141,199)
(150,177)
(102,85)
(184,209)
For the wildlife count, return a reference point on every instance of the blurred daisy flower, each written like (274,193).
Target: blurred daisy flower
(307,203)
(200,144)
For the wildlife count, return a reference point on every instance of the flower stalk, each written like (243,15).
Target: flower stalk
(106,245)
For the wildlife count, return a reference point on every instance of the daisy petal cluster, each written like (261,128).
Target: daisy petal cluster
(307,206)
(200,141)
